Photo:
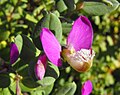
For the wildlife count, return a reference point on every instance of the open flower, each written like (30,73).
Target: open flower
(40,67)
(78,52)
(87,88)
(14,53)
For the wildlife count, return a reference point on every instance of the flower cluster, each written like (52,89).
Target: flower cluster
(77,51)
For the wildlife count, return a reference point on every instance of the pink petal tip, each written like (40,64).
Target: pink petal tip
(87,88)
(81,35)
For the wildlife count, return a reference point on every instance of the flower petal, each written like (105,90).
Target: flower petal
(87,88)
(14,53)
(81,34)
(51,46)
(40,67)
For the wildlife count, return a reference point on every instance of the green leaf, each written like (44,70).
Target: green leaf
(16,16)
(56,13)
(14,2)
(21,67)
(52,71)
(61,6)
(6,91)
(52,22)
(31,18)
(40,92)
(109,80)
(12,86)
(46,81)
(76,1)
(4,53)
(37,43)
(67,89)
(29,82)
(110,40)
(4,35)
(31,68)
(23,70)
(20,10)
(30,85)
(66,27)
(19,42)
(100,8)
(4,80)
(45,90)
(22,26)
(24,1)
(26,48)
(25,88)
(70,4)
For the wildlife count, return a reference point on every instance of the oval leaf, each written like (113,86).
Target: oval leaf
(4,35)
(4,80)
(100,8)
(67,89)
(52,22)
(26,48)
(61,6)
(46,81)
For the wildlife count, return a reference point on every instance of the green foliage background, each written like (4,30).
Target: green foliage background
(29,16)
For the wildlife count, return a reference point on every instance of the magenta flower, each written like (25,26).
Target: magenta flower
(40,67)
(14,53)
(78,52)
(87,88)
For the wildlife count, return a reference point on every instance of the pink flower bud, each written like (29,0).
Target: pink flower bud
(14,53)
(40,67)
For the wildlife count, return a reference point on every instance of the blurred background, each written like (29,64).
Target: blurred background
(23,16)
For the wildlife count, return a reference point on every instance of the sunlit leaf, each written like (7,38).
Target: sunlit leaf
(61,6)
(26,47)
(67,89)
(100,8)
(4,35)
(52,22)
